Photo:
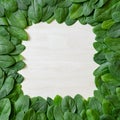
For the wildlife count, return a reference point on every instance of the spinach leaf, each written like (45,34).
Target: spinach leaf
(5,109)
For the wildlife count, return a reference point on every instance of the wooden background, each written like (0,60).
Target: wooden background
(59,60)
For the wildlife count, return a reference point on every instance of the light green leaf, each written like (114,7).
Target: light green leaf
(72,116)
(58,113)
(5,109)
(18,33)
(107,24)
(5,46)
(22,104)
(6,61)
(18,50)
(76,11)
(3,21)
(17,19)
(35,12)
(50,114)
(92,115)
(78,1)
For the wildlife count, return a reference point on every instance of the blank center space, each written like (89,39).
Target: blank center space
(59,60)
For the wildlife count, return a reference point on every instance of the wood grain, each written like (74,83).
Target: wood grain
(59,60)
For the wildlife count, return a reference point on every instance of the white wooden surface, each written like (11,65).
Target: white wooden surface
(59,60)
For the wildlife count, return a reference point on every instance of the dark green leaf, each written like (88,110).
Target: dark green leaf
(39,104)
(68,104)
(114,31)
(60,14)
(30,115)
(7,87)
(9,5)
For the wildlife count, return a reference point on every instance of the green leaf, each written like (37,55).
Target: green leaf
(50,114)
(15,41)
(78,1)
(80,103)
(19,33)
(88,7)
(22,104)
(19,49)
(5,46)
(17,19)
(9,5)
(35,12)
(100,58)
(114,68)
(102,69)
(23,4)
(95,105)
(100,33)
(48,12)
(3,21)
(82,20)
(76,11)
(60,14)
(1,10)
(113,44)
(19,78)
(4,32)
(41,116)
(18,66)
(58,113)
(114,31)
(15,93)
(39,104)
(105,12)
(107,117)
(106,107)
(6,61)
(107,24)
(1,73)
(57,100)
(51,2)
(64,4)
(99,46)
(69,21)
(92,115)
(7,87)
(71,116)
(68,104)
(30,115)
(100,3)
(5,109)
(116,16)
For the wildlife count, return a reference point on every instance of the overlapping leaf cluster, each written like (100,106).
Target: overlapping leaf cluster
(16,16)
